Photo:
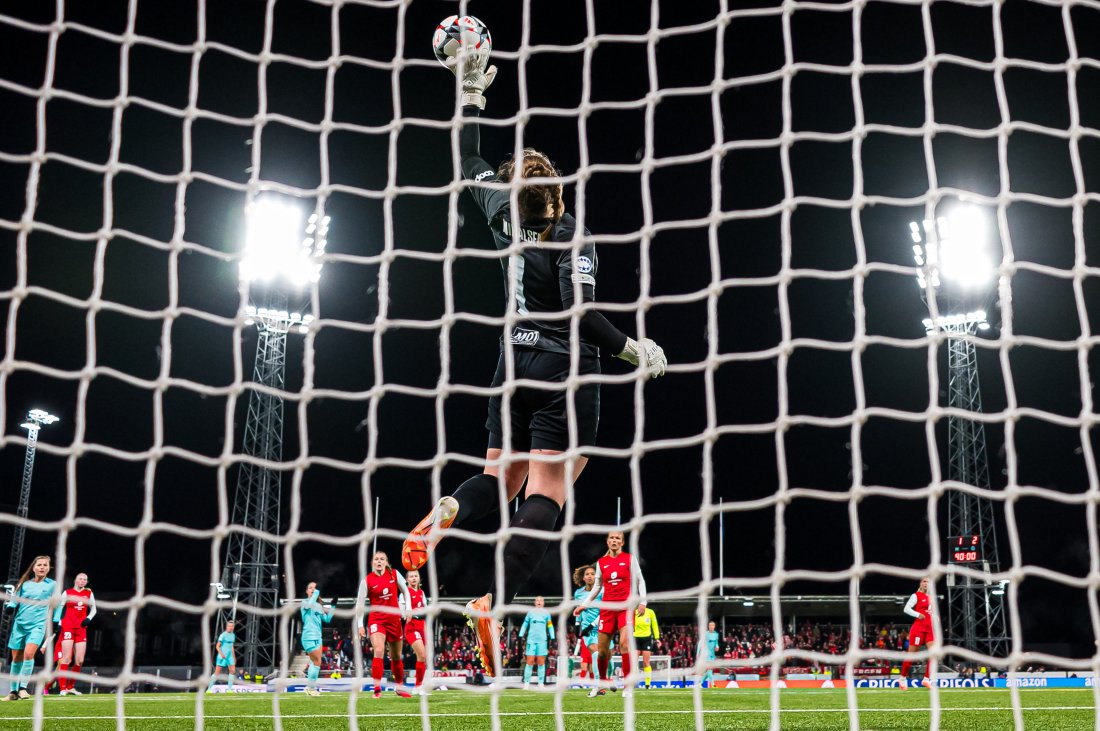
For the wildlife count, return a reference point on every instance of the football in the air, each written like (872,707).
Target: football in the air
(413,556)
(456,33)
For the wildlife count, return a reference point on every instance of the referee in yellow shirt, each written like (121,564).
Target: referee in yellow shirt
(645,632)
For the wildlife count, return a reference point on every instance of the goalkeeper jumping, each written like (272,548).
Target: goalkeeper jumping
(548,281)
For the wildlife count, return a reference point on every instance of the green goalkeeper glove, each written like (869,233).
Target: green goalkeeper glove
(475,77)
(647,354)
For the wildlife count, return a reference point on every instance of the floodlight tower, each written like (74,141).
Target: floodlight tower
(955,267)
(36,419)
(280,255)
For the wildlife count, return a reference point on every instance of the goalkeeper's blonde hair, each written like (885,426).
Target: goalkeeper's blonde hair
(535,200)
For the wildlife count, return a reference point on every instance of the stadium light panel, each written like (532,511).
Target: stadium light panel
(277,246)
(955,249)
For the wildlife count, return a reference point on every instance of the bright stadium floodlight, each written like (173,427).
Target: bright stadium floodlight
(953,249)
(278,247)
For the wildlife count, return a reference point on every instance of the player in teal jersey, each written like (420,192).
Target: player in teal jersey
(588,637)
(224,657)
(313,614)
(712,651)
(29,598)
(537,625)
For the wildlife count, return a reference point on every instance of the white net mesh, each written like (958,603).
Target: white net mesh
(748,174)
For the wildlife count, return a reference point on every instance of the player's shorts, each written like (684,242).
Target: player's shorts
(539,416)
(76,634)
(23,635)
(310,645)
(387,624)
(611,620)
(413,634)
(224,662)
(644,644)
(535,649)
(920,636)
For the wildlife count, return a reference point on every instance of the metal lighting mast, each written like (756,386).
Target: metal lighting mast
(36,419)
(952,253)
(278,251)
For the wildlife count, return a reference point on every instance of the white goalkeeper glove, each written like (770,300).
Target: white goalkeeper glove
(475,77)
(647,354)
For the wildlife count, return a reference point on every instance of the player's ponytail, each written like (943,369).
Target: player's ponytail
(535,200)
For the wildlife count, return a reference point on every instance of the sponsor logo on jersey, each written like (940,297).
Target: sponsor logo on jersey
(584,264)
(482,175)
(524,337)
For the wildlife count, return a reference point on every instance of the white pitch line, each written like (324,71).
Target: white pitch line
(862,711)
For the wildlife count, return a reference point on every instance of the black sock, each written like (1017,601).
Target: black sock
(477,497)
(522,554)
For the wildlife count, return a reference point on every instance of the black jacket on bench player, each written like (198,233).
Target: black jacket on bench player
(547,281)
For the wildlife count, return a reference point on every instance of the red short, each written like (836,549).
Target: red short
(414,633)
(611,620)
(387,624)
(921,635)
(586,654)
(76,634)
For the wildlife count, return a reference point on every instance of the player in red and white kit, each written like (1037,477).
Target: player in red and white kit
(382,587)
(416,632)
(921,634)
(620,576)
(74,612)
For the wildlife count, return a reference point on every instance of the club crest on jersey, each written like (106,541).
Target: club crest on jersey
(584,264)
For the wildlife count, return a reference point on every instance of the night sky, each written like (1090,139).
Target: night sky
(799,219)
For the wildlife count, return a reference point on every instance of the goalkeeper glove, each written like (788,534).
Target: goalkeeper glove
(647,354)
(475,77)
(84,622)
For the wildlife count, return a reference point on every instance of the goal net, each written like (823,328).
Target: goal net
(242,267)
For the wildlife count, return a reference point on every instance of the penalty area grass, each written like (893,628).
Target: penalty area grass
(654,710)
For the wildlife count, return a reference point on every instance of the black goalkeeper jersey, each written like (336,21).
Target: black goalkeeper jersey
(547,279)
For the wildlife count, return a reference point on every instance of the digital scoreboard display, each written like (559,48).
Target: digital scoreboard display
(964,549)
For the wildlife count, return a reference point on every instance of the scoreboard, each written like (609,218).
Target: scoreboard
(964,549)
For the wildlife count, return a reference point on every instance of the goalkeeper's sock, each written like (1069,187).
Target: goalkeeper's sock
(648,675)
(312,674)
(905,669)
(230,681)
(377,668)
(25,673)
(213,679)
(420,668)
(477,497)
(526,673)
(522,554)
(542,674)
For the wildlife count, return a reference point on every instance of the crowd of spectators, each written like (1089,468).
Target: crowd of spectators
(455,647)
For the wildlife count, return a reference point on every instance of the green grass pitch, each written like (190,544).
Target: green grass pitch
(963,709)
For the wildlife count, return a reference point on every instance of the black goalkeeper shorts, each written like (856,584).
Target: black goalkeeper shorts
(539,417)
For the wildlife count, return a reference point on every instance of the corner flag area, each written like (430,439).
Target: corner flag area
(962,709)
